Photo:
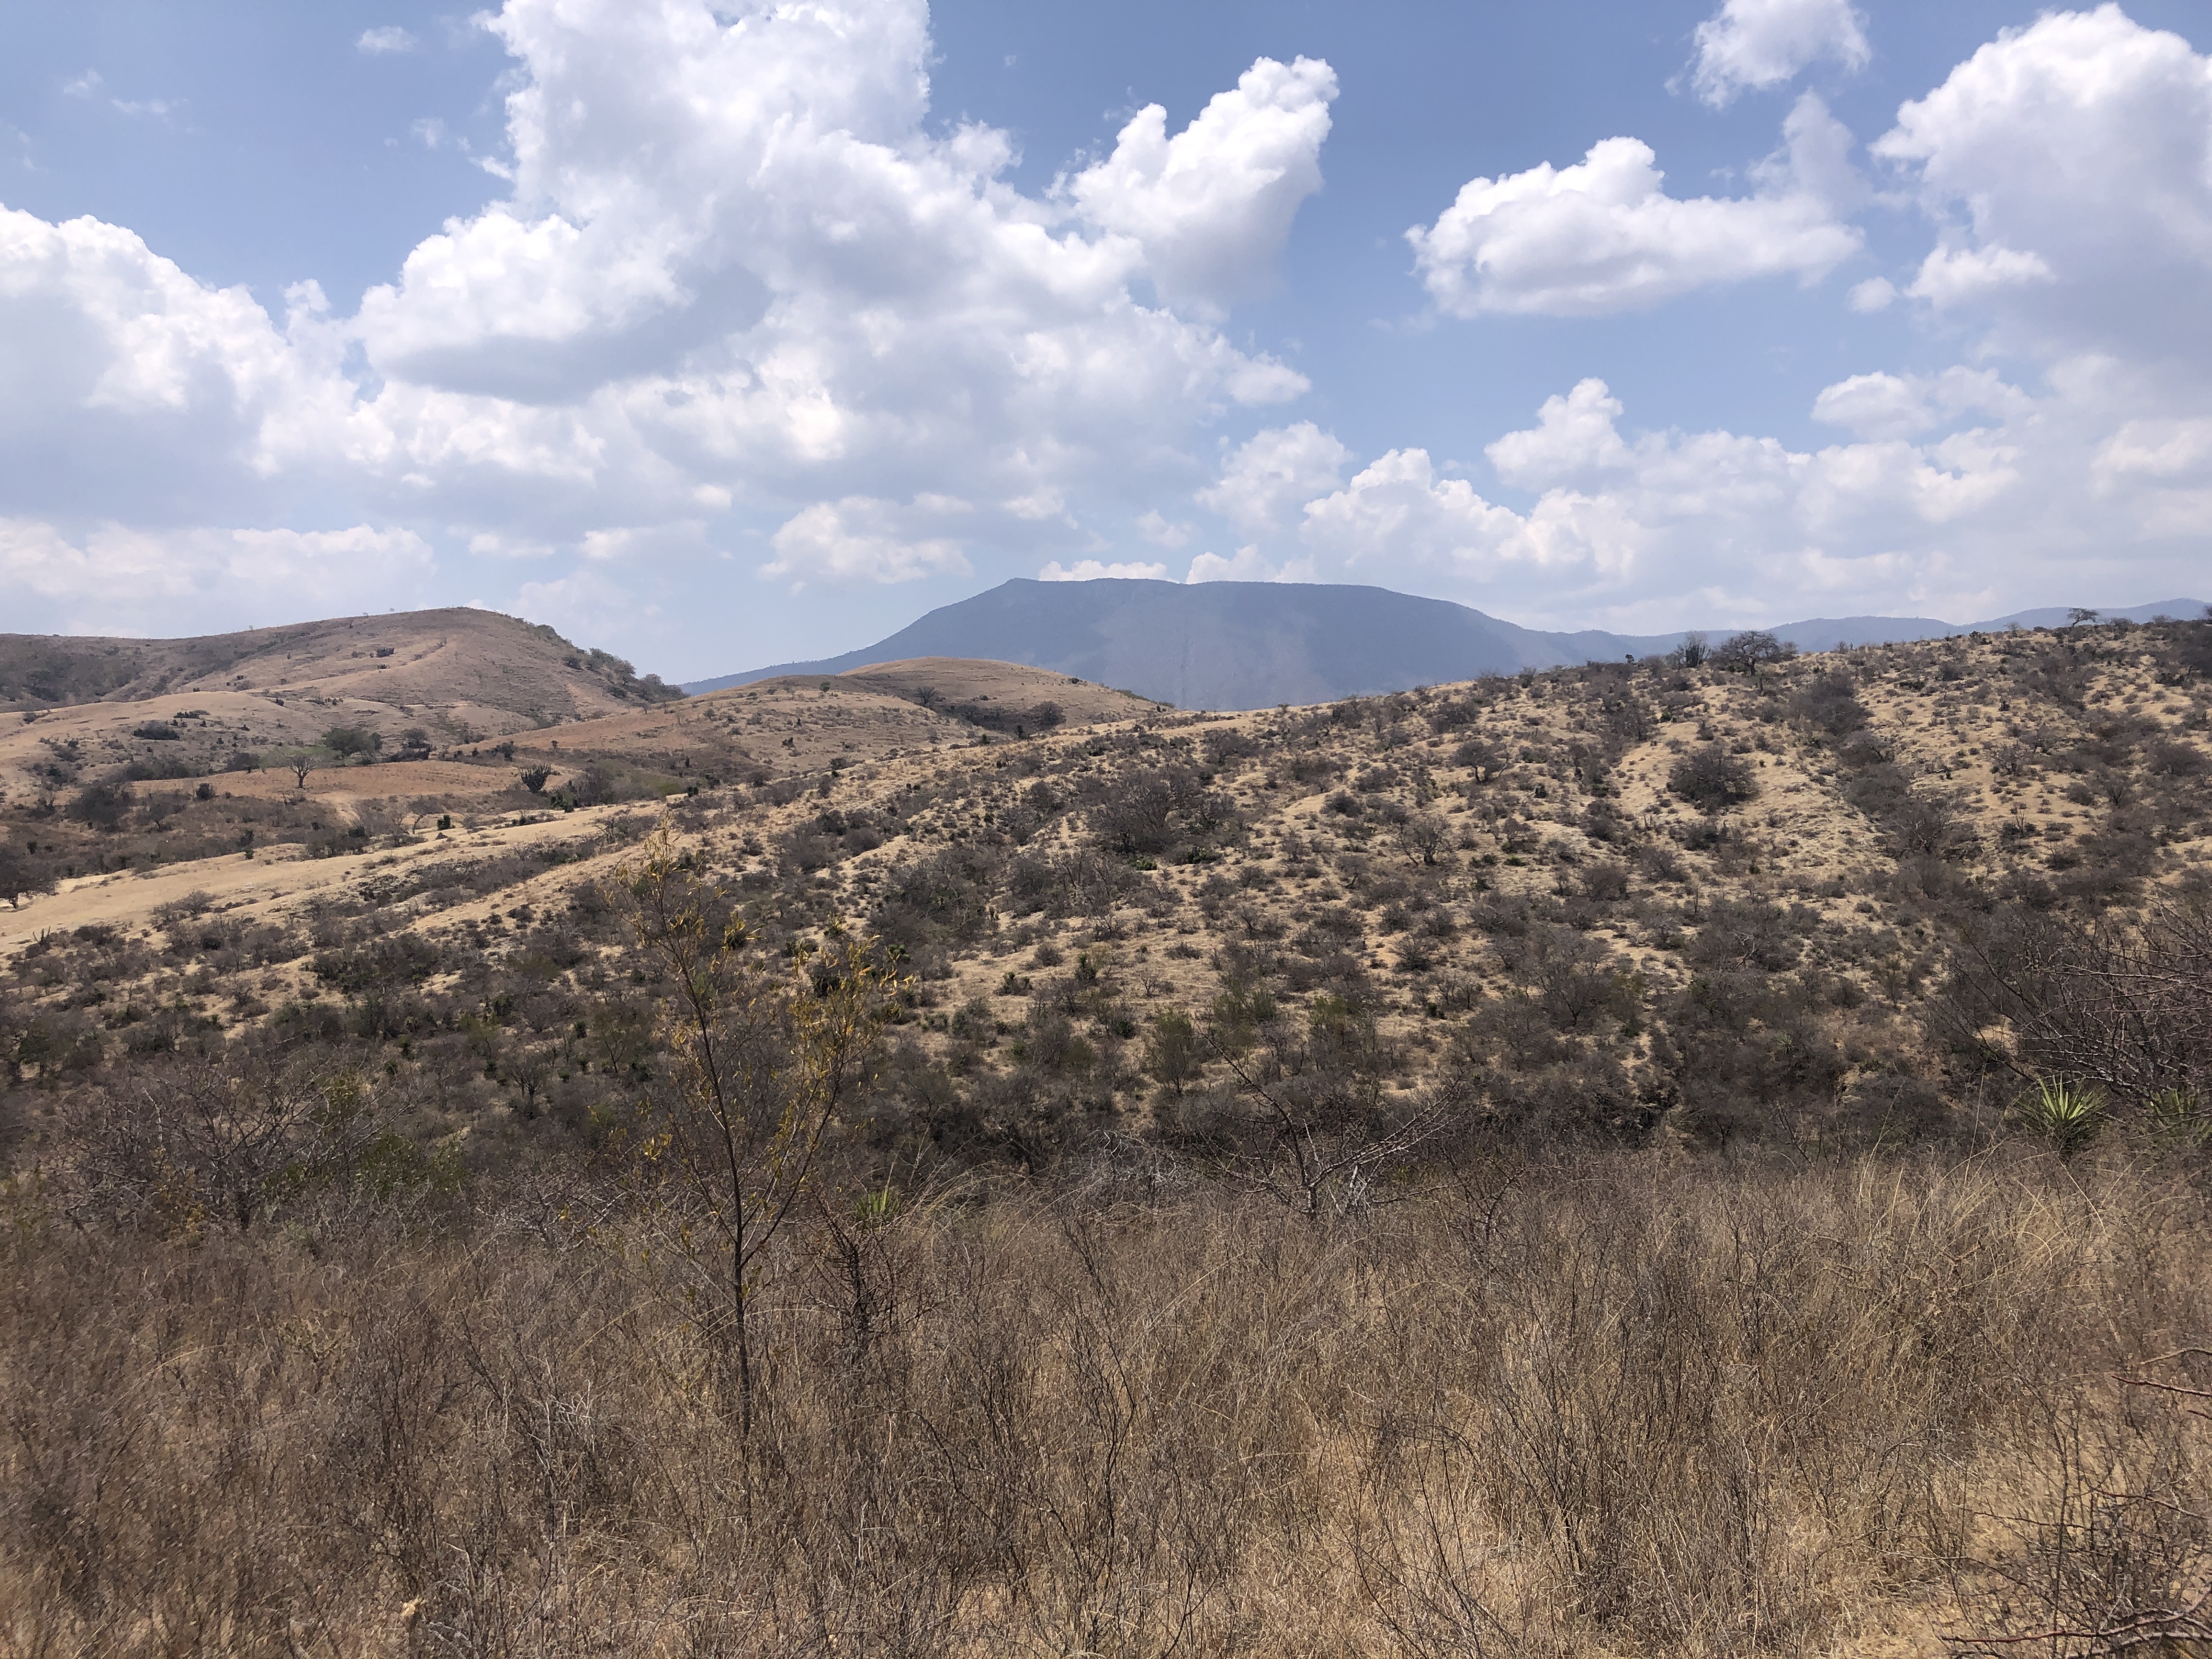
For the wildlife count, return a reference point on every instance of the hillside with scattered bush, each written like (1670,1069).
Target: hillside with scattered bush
(463,663)
(1694,1156)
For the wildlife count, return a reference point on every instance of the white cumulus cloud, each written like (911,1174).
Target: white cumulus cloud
(381,42)
(155,396)
(1093,570)
(1574,439)
(1248,566)
(2069,165)
(738,267)
(115,575)
(1211,206)
(1398,508)
(1273,472)
(1883,405)
(1754,45)
(490,544)
(1962,493)
(861,540)
(1603,236)
(1875,294)
(1156,527)
(1953,276)
(2161,449)
(806,297)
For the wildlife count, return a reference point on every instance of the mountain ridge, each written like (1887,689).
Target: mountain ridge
(1253,645)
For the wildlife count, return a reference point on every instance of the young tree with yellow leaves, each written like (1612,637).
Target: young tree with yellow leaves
(766,1054)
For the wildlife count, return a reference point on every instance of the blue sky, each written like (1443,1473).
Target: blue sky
(730,333)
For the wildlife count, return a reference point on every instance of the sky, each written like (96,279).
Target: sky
(722,333)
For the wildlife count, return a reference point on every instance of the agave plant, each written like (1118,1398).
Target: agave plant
(2066,1113)
(2178,1113)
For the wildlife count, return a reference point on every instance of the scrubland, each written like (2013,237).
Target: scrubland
(1665,1159)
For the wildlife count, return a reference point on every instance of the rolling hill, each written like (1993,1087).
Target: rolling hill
(479,665)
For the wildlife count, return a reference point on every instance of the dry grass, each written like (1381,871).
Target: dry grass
(1625,1405)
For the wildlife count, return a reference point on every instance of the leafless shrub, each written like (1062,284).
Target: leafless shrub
(1740,1408)
(2128,1007)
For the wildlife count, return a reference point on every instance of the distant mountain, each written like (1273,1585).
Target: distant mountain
(1225,645)
(1827,633)
(1249,645)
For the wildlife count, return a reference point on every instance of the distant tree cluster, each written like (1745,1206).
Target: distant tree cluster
(1740,653)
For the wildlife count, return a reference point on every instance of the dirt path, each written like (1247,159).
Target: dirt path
(276,878)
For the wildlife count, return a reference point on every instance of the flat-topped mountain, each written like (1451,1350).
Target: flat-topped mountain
(1223,645)
(1254,645)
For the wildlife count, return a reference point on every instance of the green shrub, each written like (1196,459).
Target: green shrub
(2067,1114)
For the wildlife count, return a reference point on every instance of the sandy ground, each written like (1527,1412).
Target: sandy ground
(280,879)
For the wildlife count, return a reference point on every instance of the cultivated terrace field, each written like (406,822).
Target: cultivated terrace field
(1689,1156)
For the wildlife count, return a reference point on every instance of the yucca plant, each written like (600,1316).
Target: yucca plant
(877,1209)
(2066,1113)
(2178,1113)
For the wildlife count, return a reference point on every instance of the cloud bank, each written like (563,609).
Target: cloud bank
(745,303)
(737,271)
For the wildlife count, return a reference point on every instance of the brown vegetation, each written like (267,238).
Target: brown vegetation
(1602,1405)
(438,659)
(1652,1159)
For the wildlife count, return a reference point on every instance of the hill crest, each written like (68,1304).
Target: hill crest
(482,665)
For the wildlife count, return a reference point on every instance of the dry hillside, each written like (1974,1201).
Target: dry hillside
(468,670)
(1686,1158)
(1535,881)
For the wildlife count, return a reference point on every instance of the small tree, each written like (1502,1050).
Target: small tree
(1712,779)
(1313,1155)
(103,806)
(1483,757)
(1755,649)
(348,741)
(534,777)
(1171,1049)
(299,763)
(2082,616)
(766,1057)
(1422,835)
(22,874)
(529,1067)
(202,1146)
(1692,651)
(2115,1009)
